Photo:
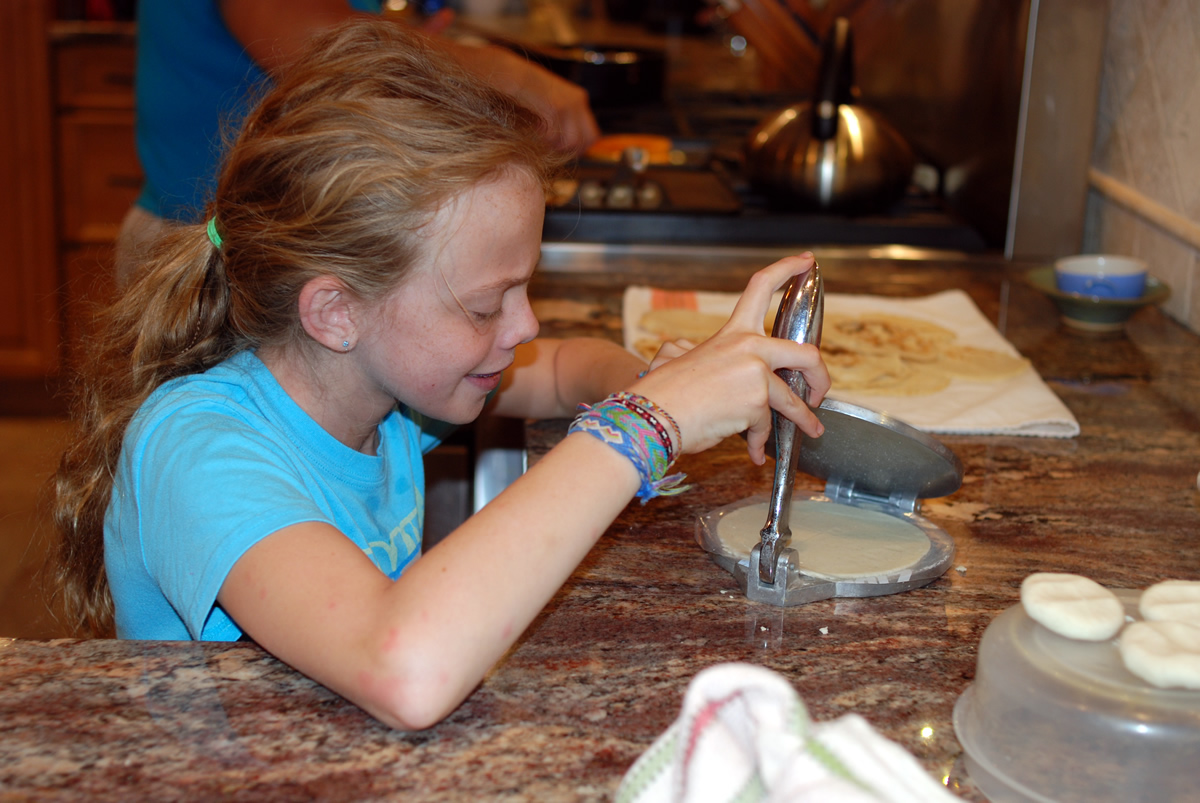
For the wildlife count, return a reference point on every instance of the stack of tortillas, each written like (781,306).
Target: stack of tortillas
(867,352)
(935,361)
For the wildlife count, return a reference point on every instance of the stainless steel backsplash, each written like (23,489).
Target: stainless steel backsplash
(999,95)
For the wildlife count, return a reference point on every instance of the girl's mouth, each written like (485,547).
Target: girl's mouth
(485,382)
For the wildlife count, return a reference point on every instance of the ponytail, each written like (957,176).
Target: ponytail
(169,323)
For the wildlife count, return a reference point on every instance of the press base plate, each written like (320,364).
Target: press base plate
(800,587)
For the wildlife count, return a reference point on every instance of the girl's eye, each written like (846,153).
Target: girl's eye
(484,317)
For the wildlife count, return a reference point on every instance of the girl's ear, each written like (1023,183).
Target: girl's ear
(327,313)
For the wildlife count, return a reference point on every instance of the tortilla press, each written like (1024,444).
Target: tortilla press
(876,469)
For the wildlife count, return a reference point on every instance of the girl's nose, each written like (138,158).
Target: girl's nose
(523,324)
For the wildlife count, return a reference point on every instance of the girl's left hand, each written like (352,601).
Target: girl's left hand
(669,351)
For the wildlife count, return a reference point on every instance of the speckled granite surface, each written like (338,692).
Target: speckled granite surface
(602,672)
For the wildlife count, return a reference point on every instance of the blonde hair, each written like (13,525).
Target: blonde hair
(334,172)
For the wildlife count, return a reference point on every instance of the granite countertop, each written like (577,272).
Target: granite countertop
(601,673)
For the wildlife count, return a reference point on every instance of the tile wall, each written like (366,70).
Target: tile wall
(1148,140)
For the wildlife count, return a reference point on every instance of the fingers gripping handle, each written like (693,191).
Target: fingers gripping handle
(799,319)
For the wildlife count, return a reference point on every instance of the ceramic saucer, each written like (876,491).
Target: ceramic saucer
(1093,313)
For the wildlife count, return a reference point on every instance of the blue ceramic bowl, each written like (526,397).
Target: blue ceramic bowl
(1093,313)
(1101,275)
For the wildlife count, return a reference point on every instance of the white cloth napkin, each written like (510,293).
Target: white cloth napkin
(1022,405)
(744,735)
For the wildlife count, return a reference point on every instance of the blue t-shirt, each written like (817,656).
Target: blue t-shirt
(213,463)
(194,84)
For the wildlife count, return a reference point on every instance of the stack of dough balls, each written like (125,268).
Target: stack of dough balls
(872,352)
(1163,648)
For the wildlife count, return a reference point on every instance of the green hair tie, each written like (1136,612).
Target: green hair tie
(213,237)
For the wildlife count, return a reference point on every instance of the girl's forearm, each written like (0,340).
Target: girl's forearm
(459,608)
(588,369)
(552,377)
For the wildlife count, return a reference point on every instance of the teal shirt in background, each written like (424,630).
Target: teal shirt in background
(194,85)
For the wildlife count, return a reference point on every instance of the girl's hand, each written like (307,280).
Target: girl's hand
(727,384)
(669,351)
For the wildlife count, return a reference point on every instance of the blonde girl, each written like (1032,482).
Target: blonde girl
(249,453)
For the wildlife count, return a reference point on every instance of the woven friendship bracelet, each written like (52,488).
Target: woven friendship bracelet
(651,407)
(649,443)
(653,421)
(626,432)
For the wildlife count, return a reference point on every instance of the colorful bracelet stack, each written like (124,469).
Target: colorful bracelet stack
(632,425)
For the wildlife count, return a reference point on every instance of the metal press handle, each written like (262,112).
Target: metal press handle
(799,319)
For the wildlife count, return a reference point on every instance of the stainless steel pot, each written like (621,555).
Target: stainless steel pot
(830,154)
(611,74)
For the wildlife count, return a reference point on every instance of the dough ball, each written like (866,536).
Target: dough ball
(1172,601)
(1072,606)
(1164,654)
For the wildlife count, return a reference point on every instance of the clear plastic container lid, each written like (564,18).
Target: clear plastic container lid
(1050,718)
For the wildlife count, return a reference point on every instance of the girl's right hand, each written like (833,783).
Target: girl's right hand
(728,385)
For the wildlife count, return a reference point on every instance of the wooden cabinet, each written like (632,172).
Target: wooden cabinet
(69,167)
(98,175)
(29,306)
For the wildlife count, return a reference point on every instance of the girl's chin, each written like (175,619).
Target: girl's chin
(462,406)
(463,412)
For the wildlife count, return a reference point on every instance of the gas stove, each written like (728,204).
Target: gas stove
(702,197)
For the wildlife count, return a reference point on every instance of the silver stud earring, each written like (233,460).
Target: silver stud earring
(345,345)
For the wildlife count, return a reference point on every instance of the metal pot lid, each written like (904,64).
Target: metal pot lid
(868,454)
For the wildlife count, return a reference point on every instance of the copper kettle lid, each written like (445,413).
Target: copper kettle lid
(830,154)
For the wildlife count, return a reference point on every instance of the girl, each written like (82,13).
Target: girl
(251,435)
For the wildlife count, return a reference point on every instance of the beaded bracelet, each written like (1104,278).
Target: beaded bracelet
(626,431)
(652,420)
(652,413)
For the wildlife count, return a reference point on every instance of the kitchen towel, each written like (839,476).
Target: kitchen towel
(744,735)
(1021,405)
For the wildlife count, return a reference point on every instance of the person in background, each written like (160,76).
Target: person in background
(200,64)
(248,456)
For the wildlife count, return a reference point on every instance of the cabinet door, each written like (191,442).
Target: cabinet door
(95,75)
(99,174)
(28,267)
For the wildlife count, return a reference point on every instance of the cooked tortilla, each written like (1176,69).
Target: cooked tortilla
(872,353)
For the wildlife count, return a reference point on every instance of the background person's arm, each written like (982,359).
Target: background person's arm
(273,32)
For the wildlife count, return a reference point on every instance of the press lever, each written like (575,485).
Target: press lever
(799,319)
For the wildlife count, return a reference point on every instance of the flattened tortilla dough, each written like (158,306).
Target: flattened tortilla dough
(1171,601)
(1072,606)
(986,365)
(879,333)
(673,324)
(1164,654)
(834,542)
(850,370)
(871,353)
(920,382)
